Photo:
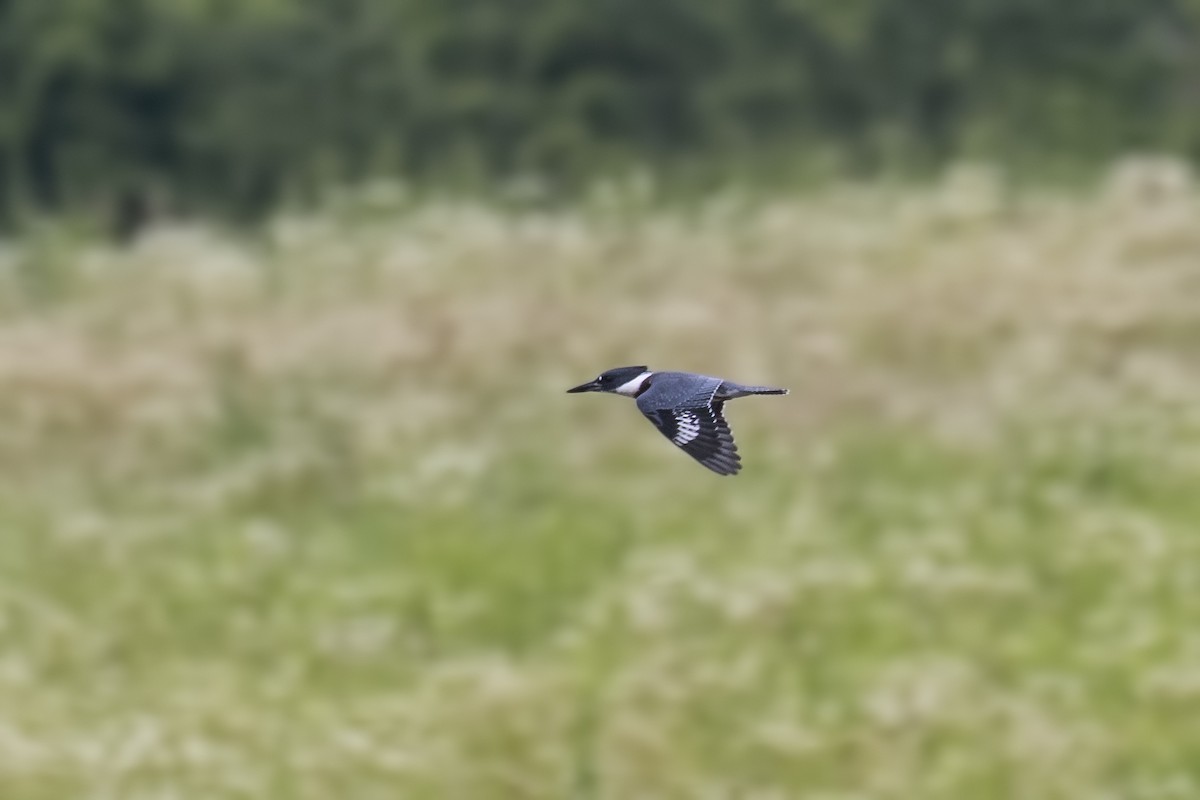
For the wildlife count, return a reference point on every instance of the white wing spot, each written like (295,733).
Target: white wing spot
(687,428)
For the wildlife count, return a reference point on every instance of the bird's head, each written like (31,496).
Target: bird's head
(622,380)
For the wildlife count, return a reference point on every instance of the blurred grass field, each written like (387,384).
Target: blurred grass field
(310,515)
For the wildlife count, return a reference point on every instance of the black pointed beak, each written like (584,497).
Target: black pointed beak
(590,386)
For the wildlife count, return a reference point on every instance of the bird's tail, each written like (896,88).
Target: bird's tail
(729,392)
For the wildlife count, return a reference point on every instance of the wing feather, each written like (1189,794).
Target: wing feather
(700,431)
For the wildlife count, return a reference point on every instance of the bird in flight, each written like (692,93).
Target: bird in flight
(687,409)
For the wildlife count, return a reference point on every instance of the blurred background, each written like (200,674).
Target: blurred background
(292,501)
(236,108)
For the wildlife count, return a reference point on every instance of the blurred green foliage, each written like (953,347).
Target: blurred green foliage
(237,105)
(307,515)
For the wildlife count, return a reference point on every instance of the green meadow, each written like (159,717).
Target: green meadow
(308,514)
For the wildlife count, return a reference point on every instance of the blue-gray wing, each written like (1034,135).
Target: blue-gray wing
(685,412)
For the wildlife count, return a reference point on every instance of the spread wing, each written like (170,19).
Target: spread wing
(700,431)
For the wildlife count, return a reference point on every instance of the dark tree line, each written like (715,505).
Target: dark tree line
(234,105)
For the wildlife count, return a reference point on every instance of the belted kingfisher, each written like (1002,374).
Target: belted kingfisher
(685,407)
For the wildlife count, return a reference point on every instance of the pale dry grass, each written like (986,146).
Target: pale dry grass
(309,515)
